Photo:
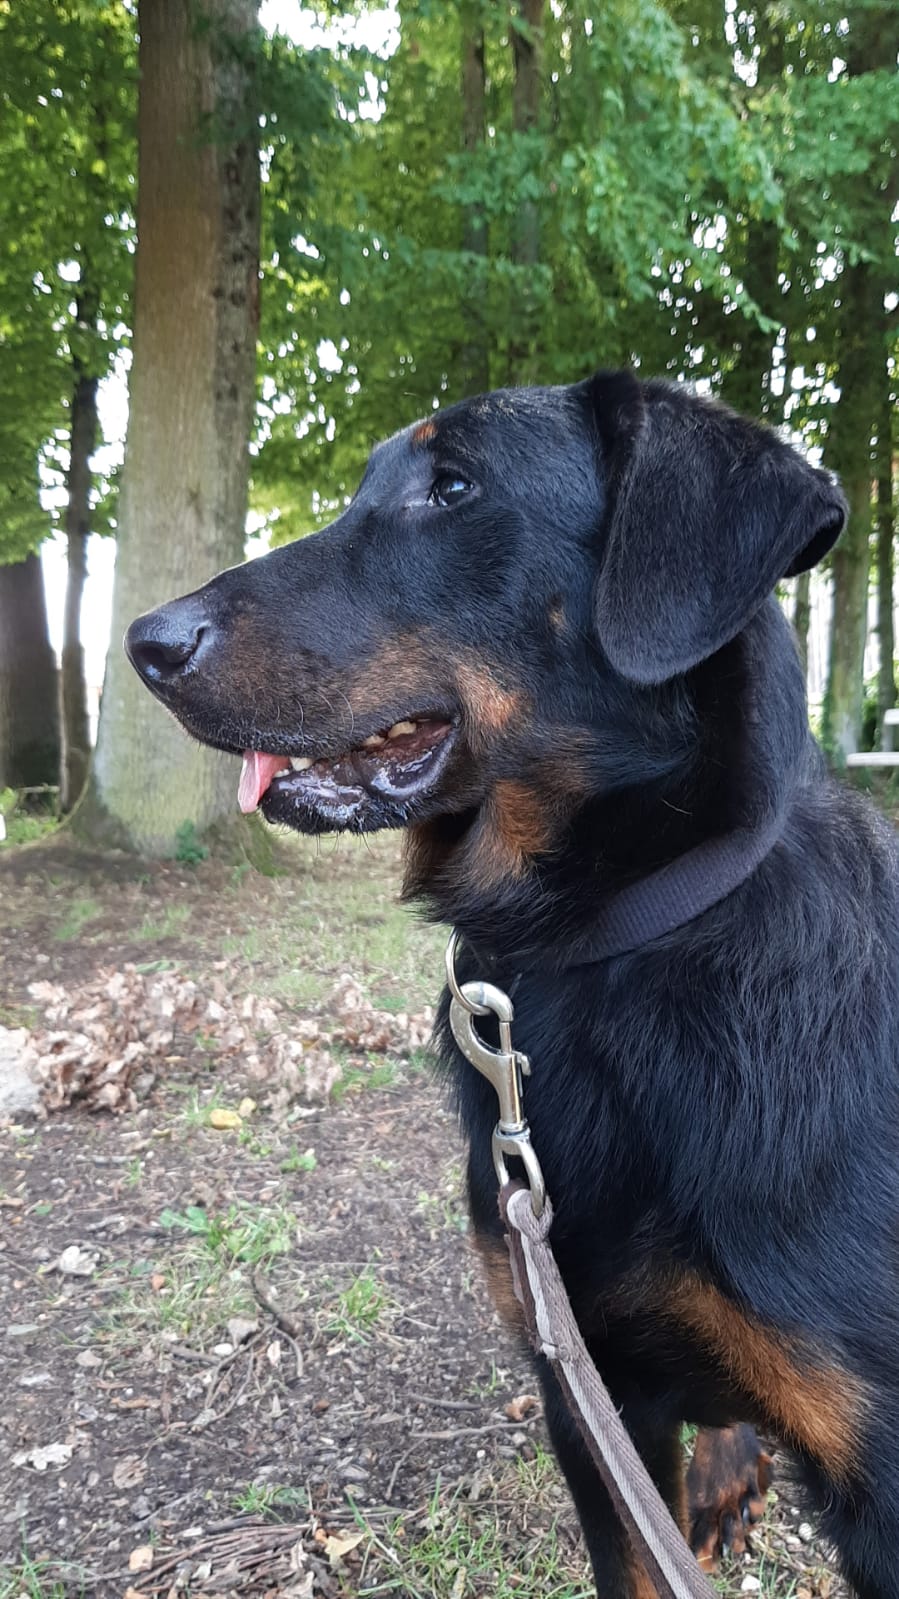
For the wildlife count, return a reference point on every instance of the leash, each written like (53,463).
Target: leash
(654,1536)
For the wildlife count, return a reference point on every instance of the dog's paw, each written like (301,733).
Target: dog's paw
(727,1483)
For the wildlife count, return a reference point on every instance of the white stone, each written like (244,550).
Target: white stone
(19,1094)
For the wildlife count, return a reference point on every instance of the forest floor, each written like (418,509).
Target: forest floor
(258,1359)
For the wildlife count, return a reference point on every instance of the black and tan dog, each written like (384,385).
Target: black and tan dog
(542,638)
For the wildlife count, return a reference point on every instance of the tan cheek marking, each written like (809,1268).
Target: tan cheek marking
(820,1409)
(491,708)
(521,818)
(402,669)
(424,432)
(513,827)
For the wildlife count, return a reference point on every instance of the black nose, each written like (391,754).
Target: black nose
(161,644)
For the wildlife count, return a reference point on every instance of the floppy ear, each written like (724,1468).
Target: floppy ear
(705,512)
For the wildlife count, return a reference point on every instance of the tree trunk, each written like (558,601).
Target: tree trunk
(862,358)
(29,691)
(475,355)
(747,385)
(526,230)
(184,491)
(802,616)
(886,679)
(525,116)
(75,724)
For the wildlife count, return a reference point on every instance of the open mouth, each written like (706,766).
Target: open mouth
(375,784)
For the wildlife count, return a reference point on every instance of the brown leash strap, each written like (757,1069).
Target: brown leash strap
(655,1539)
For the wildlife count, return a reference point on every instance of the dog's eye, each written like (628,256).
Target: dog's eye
(448,489)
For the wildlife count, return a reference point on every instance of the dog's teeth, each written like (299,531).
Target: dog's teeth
(284,771)
(374,741)
(400,728)
(300,763)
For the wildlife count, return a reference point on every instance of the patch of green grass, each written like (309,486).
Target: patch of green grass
(205,1272)
(345,917)
(353,1079)
(773,1581)
(80,912)
(359,1307)
(466,1551)
(39,1579)
(249,1233)
(299,1160)
(189,850)
(266,1499)
(250,1140)
(15,1016)
(170,922)
(27,822)
(442,1212)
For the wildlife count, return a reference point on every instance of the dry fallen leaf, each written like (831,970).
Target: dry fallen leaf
(336,1548)
(141,1558)
(77,1262)
(128,1472)
(521,1406)
(42,1456)
(224,1119)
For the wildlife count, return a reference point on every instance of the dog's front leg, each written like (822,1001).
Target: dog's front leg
(617,1574)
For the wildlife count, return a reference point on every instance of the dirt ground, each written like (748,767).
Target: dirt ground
(258,1359)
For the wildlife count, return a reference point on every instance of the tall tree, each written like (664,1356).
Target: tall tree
(29,717)
(73,683)
(886,533)
(184,491)
(476,350)
(870,49)
(66,148)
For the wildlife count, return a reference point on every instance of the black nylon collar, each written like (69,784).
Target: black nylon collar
(664,901)
(677,893)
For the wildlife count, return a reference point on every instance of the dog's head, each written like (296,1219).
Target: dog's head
(509,622)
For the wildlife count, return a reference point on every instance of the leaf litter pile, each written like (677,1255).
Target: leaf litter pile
(245,1346)
(103,1042)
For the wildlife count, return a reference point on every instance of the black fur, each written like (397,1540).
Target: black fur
(592,620)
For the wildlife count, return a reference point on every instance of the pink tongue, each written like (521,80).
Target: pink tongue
(256,774)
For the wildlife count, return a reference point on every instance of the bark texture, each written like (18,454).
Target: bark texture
(862,361)
(861,370)
(886,523)
(802,616)
(474,231)
(526,56)
(75,724)
(184,491)
(29,693)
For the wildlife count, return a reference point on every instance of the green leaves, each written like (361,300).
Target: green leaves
(67,92)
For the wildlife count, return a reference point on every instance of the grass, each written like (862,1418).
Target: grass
(167,925)
(267,1499)
(359,1308)
(79,913)
(354,1079)
(205,1272)
(39,1579)
(464,1551)
(346,918)
(252,1234)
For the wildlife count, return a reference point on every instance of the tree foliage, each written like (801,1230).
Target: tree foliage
(67,154)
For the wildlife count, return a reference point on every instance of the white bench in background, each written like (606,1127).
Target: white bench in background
(888,757)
